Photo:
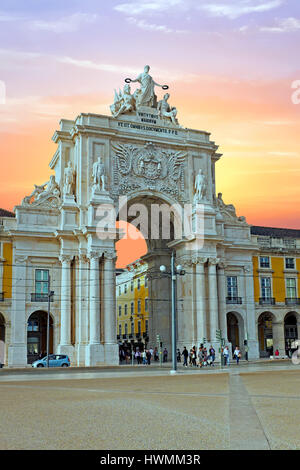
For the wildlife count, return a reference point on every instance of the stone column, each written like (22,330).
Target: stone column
(251,325)
(200,300)
(213,297)
(65,305)
(110,321)
(17,350)
(83,307)
(278,337)
(222,299)
(94,299)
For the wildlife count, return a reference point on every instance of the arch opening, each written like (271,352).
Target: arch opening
(37,336)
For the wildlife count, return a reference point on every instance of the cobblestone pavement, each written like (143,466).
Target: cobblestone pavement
(253,407)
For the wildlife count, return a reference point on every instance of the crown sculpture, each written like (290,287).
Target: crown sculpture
(144,98)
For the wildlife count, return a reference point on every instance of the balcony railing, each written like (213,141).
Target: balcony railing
(267,301)
(234,300)
(292,301)
(40,297)
(1,296)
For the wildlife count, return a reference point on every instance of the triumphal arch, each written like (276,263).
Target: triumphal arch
(104,168)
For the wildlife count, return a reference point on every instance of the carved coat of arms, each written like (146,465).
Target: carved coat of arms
(148,167)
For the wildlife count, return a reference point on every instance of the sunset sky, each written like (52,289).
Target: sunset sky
(230,66)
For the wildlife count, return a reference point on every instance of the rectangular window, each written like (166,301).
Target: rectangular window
(232,288)
(139,327)
(289,263)
(120,310)
(119,290)
(132,327)
(147,326)
(41,281)
(120,329)
(125,309)
(291,288)
(139,306)
(131,286)
(266,287)
(125,288)
(146,305)
(138,283)
(146,281)
(132,308)
(126,329)
(264,261)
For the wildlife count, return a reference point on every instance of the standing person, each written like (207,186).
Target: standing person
(185,355)
(144,357)
(178,356)
(200,363)
(165,355)
(155,354)
(226,356)
(190,357)
(151,352)
(138,356)
(148,356)
(194,356)
(277,353)
(212,354)
(237,355)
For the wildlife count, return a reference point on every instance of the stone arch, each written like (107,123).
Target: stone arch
(2,339)
(235,329)
(265,333)
(291,333)
(159,253)
(37,335)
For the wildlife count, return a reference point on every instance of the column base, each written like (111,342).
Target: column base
(94,355)
(253,350)
(80,354)
(17,355)
(68,350)
(111,353)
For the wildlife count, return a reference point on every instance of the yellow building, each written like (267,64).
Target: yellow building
(132,303)
(276,272)
(6,265)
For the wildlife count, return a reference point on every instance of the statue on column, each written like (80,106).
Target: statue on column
(200,186)
(69,180)
(99,175)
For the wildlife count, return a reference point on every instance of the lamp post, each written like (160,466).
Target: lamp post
(175,270)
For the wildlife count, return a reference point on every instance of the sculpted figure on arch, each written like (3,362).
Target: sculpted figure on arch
(166,111)
(99,174)
(146,96)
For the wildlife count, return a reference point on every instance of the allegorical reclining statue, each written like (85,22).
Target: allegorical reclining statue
(125,102)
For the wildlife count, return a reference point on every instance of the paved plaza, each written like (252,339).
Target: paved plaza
(248,407)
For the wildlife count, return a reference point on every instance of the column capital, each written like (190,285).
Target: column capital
(63,258)
(199,259)
(213,261)
(110,255)
(94,255)
(20,259)
(222,264)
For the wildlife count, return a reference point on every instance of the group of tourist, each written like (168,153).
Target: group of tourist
(142,356)
(193,357)
(202,357)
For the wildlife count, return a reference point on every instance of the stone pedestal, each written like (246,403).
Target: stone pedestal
(69,210)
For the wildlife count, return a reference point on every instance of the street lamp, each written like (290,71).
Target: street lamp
(174,272)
